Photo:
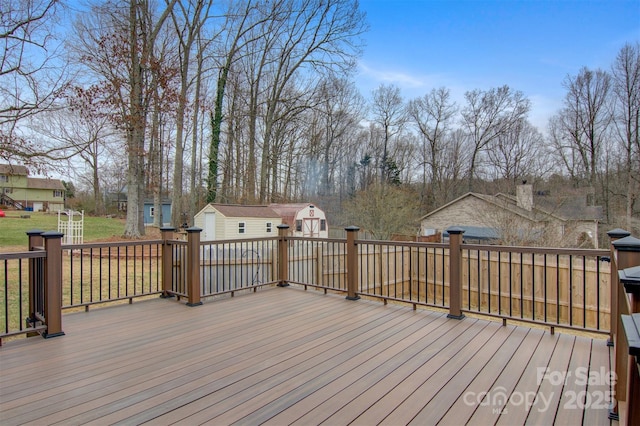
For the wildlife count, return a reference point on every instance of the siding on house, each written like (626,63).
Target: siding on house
(469,211)
(229,217)
(37,193)
(166,213)
(304,219)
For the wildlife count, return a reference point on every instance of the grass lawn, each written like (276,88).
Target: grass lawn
(13,228)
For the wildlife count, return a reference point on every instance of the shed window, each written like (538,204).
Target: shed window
(152,211)
(323,224)
(269,227)
(4,178)
(241,227)
(298,225)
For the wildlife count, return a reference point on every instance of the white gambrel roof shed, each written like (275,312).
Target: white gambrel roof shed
(304,219)
(231,221)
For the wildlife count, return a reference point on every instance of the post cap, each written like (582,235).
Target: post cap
(167,229)
(628,243)
(351,228)
(618,233)
(283,226)
(630,277)
(34,232)
(455,230)
(52,234)
(631,326)
(194,229)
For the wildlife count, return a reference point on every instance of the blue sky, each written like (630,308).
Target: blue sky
(529,45)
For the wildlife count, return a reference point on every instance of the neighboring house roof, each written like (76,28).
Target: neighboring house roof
(39,183)
(570,207)
(486,198)
(288,211)
(237,210)
(564,209)
(8,169)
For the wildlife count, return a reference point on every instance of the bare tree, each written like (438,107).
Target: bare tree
(626,89)
(116,44)
(242,20)
(328,126)
(321,35)
(193,14)
(583,123)
(433,114)
(514,154)
(32,77)
(389,112)
(89,133)
(383,210)
(489,114)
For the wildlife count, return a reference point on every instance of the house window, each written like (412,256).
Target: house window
(57,193)
(298,225)
(152,211)
(323,224)
(241,227)
(269,227)
(4,179)
(7,190)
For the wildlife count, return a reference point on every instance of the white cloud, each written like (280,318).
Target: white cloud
(390,76)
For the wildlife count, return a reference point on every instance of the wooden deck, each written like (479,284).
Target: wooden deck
(289,356)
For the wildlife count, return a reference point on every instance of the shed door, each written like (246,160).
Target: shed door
(311,227)
(209,233)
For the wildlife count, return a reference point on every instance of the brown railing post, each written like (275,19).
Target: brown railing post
(193,266)
(630,279)
(614,235)
(283,256)
(455,273)
(167,261)
(626,254)
(35,240)
(53,284)
(352,263)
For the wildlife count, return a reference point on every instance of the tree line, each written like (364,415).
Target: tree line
(255,102)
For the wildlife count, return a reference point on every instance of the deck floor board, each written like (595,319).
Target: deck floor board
(288,356)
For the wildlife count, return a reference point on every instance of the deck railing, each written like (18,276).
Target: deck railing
(555,287)
(416,273)
(229,266)
(317,262)
(22,304)
(105,272)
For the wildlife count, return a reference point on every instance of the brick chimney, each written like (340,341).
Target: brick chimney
(524,196)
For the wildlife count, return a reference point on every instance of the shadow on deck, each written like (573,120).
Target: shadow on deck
(288,356)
